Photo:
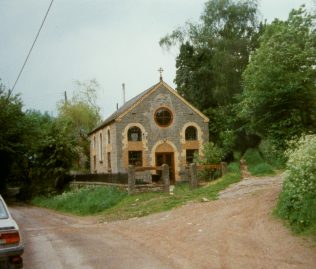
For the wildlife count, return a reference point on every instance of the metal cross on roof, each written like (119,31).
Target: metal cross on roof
(160,70)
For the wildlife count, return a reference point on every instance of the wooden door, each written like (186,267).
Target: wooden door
(166,158)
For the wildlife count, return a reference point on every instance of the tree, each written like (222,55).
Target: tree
(54,153)
(82,109)
(82,114)
(36,150)
(211,60)
(214,54)
(279,97)
(12,132)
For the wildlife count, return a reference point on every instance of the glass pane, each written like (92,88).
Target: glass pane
(135,158)
(163,117)
(190,155)
(134,134)
(190,133)
(3,211)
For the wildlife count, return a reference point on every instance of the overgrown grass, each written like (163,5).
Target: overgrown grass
(115,205)
(84,201)
(256,164)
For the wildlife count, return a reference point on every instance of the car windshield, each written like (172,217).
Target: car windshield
(3,211)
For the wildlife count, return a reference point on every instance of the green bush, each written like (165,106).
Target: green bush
(234,168)
(237,155)
(252,156)
(211,154)
(297,201)
(256,164)
(262,169)
(272,154)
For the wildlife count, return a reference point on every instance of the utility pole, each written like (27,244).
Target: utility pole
(66,100)
(123,89)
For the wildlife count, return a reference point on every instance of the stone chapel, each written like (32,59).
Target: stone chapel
(156,127)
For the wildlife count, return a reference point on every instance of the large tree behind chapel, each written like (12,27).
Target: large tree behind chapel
(214,53)
(212,57)
(279,94)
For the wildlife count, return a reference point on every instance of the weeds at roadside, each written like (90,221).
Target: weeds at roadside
(113,204)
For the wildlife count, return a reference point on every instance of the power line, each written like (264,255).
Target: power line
(28,55)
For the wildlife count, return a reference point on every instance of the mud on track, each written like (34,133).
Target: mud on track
(236,231)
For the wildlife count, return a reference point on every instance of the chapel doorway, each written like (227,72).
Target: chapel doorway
(167,158)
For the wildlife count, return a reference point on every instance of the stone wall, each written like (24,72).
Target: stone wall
(153,135)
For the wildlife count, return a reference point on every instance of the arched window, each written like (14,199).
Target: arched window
(94,142)
(101,148)
(134,134)
(109,137)
(191,133)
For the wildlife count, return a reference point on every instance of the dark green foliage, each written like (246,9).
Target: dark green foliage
(272,154)
(37,150)
(214,54)
(13,128)
(55,156)
(234,167)
(279,97)
(51,151)
(256,164)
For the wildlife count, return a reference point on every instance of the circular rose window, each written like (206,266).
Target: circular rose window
(163,117)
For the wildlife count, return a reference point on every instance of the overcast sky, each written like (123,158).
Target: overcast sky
(113,41)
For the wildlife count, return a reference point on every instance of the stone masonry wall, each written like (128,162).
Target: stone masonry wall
(154,135)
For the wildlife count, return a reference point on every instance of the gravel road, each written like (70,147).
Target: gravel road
(236,231)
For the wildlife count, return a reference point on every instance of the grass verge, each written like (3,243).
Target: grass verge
(115,205)
(84,201)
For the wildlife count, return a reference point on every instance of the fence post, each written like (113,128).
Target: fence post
(223,168)
(165,178)
(131,179)
(193,176)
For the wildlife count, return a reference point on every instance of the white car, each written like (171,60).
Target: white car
(11,247)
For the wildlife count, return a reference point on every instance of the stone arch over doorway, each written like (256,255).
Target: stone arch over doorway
(166,152)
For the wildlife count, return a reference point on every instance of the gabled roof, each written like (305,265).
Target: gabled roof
(132,103)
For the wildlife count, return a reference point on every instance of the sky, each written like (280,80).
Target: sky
(112,41)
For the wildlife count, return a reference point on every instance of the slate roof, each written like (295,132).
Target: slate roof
(134,101)
(122,109)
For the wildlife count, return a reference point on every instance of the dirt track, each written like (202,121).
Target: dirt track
(236,231)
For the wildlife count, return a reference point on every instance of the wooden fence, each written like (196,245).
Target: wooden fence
(134,174)
(194,169)
(137,179)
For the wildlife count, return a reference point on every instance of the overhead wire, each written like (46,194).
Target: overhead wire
(28,55)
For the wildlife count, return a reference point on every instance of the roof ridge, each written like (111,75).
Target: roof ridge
(130,104)
(123,108)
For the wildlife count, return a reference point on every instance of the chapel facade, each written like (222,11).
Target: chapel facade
(156,127)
